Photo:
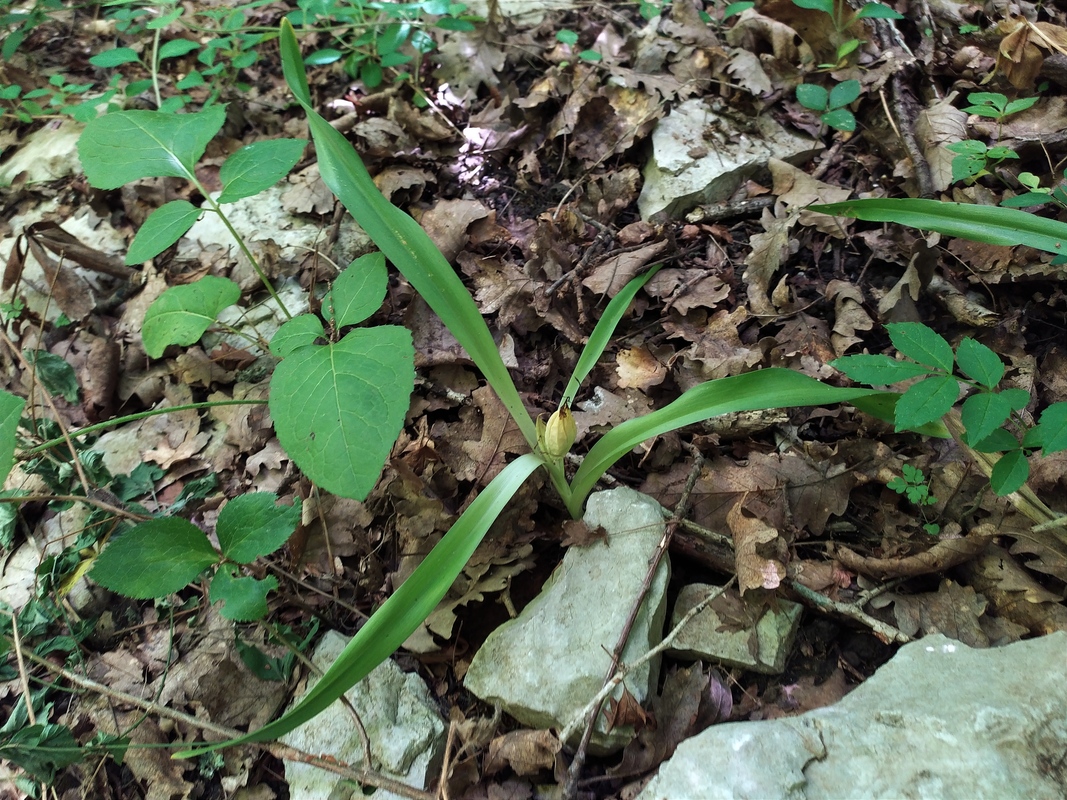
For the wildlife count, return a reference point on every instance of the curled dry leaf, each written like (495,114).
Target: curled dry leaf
(751,537)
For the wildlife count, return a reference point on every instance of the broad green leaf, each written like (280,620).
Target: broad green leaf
(154,559)
(844,93)
(768,388)
(177,48)
(877,11)
(164,226)
(1054,429)
(325,56)
(1018,399)
(567,36)
(243,599)
(129,145)
(404,611)
(979,363)
(54,373)
(297,332)
(338,408)
(10,412)
(357,292)
(114,57)
(926,401)
(878,370)
(403,242)
(182,313)
(602,333)
(919,343)
(826,6)
(813,96)
(998,441)
(253,525)
(987,224)
(841,119)
(258,166)
(968,147)
(1009,473)
(983,413)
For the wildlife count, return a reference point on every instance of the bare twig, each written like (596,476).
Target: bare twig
(881,629)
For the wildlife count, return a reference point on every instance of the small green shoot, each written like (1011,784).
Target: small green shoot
(831,106)
(913,484)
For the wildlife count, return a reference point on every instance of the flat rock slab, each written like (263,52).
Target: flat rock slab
(544,666)
(763,647)
(407,736)
(940,720)
(700,155)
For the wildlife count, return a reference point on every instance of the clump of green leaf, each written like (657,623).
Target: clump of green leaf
(842,16)
(831,105)
(912,483)
(990,418)
(975,159)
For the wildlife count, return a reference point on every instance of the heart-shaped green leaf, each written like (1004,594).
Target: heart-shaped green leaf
(182,313)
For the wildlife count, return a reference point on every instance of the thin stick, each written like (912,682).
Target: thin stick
(882,630)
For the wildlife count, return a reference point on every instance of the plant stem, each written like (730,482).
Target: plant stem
(154,66)
(155,412)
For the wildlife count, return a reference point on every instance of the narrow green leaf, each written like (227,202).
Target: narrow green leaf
(878,370)
(258,166)
(919,343)
(768,388)
(1053,429)
(404,611)
(164,226)
(253,525)
(926,401)
(877,11)
(1009,473)
(979,363)
(154,559)
(10,413)
(338,408)
(825,6)
(602,333)
(983,413)
(358,291)
(115,57)
(988,224)
(299,331)
(243,599)
(129,145)
(325,56)
(182,313)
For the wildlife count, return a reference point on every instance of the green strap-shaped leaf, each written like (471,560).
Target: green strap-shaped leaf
(404,611)
(988,224)
(10,412)
(338,408)
(154,558)
(258,166)
(182,313)
(768,388)
(128,145)
(404,243)
(164,226)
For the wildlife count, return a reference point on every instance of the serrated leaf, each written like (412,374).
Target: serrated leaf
(1018,399)
(1053,426)
(182,313)
(54,373)
(878,370)
(812,96)
(297,332)
(978,362)
(129,145)
(154,559)
(10,413)
(338,408)
(998,441)
(919,343)
(164,226)
(358,291)
(844,93)
(926,401)
(258,166)
(243,599)
(1009,473)
(253,525)
(984,413)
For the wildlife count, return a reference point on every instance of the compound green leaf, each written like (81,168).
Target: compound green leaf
(1053,427)
(813,96)
(878,370)
(338,408)
(998,441)
(978,362)
(10,412)
(164,226)
(182,313)
(1009,473)
(984,413)
(154,559)
(919,343)
(128,145)
(297,332)
(253,525)
(243,599)
(844,93)
(358,291)
(258,166)
(925,402)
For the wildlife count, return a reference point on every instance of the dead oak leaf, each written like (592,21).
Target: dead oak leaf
(526,752)
(751,539)
(638,367)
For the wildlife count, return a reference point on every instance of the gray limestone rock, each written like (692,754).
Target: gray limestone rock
(940,720)
(547,664)
(702,156)
(407,736)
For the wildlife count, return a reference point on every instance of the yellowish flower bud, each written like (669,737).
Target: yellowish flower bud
(559,433)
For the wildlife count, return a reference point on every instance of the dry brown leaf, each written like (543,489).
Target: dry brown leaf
(797,190)
(952,610)
(640,368)
(525,752)
(937,125)
(768,251)
(752,538)
(849,315)
(447,223)
(612,274)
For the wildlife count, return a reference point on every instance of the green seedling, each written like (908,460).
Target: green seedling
(976,159)
(913,484)
(831,106)
(570,38)
(842,17)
